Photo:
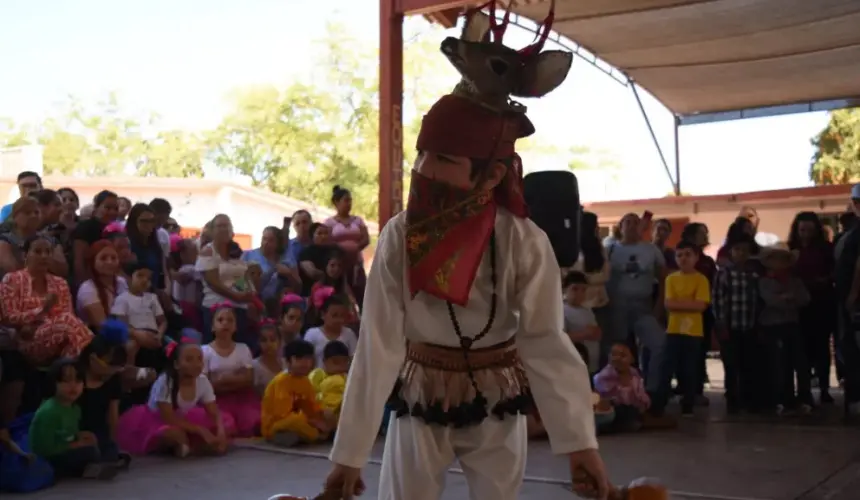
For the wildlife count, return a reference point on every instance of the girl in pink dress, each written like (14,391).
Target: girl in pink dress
(39,306)
(181,415)
(350,234)
(620,384)
(230,368)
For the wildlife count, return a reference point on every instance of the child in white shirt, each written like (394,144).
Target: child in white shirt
(141,311)
(335,311)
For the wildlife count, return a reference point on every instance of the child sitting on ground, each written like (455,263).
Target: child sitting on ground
(291,413)
(102,360)
(55,432)
(141,311)
(271,361)
(329,381)
(293,310)
(230,368)
(181,416)
(335,310)
(620,384)
(579,321)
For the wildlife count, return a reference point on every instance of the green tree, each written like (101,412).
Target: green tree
(102,139)
(837,149)
(13,134)
(172,153)
(304,139)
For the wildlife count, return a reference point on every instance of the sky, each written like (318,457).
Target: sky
(182,58)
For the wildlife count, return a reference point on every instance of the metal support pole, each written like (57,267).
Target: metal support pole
(390,111)
(677,121)
(675,185)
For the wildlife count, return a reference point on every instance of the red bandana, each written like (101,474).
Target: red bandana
(448,229)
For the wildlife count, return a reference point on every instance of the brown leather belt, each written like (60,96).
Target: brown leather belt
(453,359)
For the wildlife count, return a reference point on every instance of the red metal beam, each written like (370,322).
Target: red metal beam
(413,7)
(390,111)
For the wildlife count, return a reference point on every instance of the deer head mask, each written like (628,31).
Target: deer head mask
(492,73)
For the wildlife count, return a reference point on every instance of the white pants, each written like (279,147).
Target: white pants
(417,457)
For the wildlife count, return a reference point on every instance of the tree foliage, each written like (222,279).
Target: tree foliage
(299,139)
(837,149)
(103,139)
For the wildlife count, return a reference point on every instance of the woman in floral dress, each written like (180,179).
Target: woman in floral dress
(39,306)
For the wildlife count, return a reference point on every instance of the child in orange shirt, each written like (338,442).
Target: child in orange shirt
(291,413)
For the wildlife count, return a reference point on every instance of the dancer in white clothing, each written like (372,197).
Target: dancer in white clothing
(462,323)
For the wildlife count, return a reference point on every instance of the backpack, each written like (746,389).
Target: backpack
(17,475)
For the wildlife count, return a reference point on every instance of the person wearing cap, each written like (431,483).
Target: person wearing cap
(848,299)
(462,325)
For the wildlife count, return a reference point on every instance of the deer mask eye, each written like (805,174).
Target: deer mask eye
(498,66)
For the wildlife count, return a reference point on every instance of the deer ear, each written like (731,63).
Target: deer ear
(476,28)
(544,73)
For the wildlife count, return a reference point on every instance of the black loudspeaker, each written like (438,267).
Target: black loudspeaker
(553,200)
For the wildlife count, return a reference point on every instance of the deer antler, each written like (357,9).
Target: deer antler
(492,73)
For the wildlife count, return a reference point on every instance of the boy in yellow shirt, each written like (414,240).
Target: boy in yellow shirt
(291,413)
(687,296)
(330,380)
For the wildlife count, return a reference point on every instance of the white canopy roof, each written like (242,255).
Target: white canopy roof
(699,56)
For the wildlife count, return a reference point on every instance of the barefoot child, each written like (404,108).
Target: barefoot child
(181,416)
(291,413)
(271,361)
(230,368)
(55,432)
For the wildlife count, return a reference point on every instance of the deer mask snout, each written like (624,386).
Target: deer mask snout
(451,48)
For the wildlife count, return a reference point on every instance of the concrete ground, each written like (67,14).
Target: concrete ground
(706,458)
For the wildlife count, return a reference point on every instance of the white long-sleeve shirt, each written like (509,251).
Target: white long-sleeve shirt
(529,306)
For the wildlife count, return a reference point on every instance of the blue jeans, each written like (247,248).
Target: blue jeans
(637,315)
(682,358)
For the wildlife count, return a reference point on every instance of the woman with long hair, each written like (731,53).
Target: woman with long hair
(224,280)
(350,233)
(314,257)
(741,228)
(143,239)
(593,262)
(96,295)
(39,306)
(816,267)
(26,220)
(89,231)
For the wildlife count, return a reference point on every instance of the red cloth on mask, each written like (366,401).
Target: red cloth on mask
(448,229)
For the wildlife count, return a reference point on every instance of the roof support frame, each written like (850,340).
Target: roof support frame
(676,181)
(785,109)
